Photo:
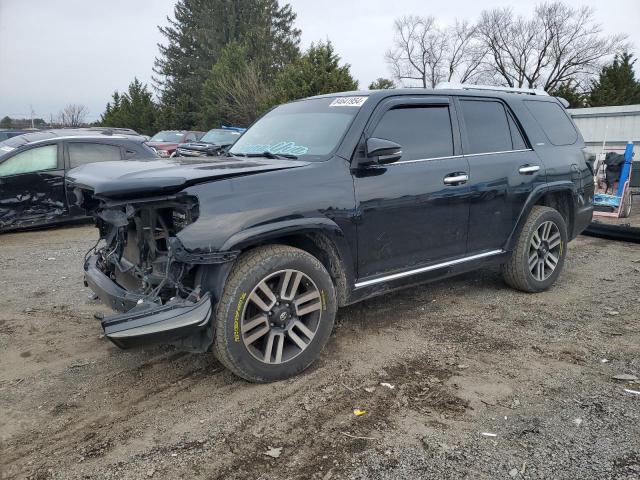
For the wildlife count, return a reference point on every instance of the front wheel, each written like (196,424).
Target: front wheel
(275,315)
(538,258)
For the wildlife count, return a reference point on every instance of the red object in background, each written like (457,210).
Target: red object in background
(165,142)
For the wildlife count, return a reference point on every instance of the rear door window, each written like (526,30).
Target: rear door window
(486,126)
(518,140)
(423,132)
(33,160)
(554,122)
(81,153)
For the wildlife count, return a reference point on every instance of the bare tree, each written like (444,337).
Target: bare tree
(559,43)
(73,115)
(408,58)
(466,53)
(425,53)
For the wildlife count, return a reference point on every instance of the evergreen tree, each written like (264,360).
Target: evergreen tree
(132,109)
(571,92)
(318,71)
(196,38)
(234,92)
(617,84)
(6,122)
(382,84)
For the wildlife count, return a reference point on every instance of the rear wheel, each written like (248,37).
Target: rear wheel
(275,315)
(538,258)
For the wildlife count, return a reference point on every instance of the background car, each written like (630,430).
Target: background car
(33,168)
(5,134)
(213,143)
(165,142)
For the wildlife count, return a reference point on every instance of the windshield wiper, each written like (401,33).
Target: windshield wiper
(266,154)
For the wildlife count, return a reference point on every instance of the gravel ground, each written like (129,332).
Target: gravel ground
(485,382)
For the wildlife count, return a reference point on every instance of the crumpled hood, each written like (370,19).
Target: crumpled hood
(140,178)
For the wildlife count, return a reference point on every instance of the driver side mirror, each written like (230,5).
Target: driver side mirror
(381,151)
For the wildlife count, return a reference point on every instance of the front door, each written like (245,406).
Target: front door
(413,212)
(32,187)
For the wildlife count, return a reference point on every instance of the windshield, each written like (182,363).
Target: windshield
(169,136)
(220,137)
(309,128)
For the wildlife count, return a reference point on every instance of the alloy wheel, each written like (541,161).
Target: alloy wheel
(281,316)
(544,251)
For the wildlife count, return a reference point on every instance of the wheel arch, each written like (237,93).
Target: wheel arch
(559,196)
(321,238)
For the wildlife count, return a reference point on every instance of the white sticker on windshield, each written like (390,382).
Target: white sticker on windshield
(348,102)
(7,149)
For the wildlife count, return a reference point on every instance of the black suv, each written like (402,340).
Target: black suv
(327,201)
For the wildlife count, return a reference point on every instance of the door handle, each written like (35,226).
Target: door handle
(456,179)
(528,169)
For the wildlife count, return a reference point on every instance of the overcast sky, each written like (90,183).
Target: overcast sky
(55,52)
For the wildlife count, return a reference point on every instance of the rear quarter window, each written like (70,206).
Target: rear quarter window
(554,122)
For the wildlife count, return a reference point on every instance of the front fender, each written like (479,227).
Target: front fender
(266,232)
(311,207)
(321,236)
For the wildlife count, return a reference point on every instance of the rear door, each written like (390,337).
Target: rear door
(32,187)
(411,212)
(503,170)
(82,152)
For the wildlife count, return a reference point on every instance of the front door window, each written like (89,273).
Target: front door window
(33,160)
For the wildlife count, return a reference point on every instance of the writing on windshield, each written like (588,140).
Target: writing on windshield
(310,128)
(281,148)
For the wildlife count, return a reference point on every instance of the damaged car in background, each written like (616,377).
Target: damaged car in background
(33,167)
(327,201)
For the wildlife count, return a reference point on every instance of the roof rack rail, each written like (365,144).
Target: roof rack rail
(468,86)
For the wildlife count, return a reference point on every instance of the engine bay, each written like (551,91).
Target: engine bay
(138,252)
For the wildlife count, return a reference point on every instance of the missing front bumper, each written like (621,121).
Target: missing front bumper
(142,321)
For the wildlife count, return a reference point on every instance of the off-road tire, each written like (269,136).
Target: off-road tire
(516,271)
(249,270)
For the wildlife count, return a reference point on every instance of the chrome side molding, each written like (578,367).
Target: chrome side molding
(416,271)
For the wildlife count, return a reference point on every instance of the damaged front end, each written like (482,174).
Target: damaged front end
(143,271)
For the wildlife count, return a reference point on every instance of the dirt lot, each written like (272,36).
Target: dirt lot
(465,357)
